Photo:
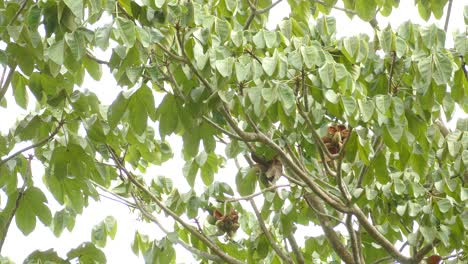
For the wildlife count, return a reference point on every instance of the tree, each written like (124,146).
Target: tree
(353,125)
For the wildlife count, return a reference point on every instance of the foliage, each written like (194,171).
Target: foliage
(211,73)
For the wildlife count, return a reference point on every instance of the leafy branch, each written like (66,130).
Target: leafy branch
(168,211)
(254,11)
(38,144)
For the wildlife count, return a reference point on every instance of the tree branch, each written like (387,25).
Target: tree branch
(250,197)
(38,144)
(168,211)
(330,234)
(379,238)
(295,248)
(254,11)
(4,229)
(152,218)
(447,18)
(355,247)
(279,251)
(22,7)
(6,84)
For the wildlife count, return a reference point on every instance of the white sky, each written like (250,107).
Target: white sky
(17,246)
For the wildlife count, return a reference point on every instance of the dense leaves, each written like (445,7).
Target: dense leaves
(351,128)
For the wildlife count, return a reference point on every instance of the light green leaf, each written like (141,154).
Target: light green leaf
(396,131)
(443,69)
(349,105)
(269,65)
(246,181)
(76,43)
(366,9)
(287,99)
(312,55)
(224,67)
(18,83)
(327,74)
(331,96)
(127,33)
(56,52)
(223,29)
(367,109)
(76,6)
(243,72)
(117,110)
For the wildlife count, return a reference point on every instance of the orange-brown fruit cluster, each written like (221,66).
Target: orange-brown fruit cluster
(227,224)
(336,135)
(434,259)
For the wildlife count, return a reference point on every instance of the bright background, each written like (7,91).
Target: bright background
(18,247)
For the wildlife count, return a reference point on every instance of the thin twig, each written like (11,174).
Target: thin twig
(6,84)
(254,11)
(331,235)
(224,131)
(390,89)
(15,208)
(279,251)
(152,218)
(355,247)
(249,197)
(295,248)
(38,144)
(23,6)
(218,251)
(447,18)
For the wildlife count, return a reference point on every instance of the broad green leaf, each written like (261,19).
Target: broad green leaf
(56,52)
(327,74)
(269,64)
(137,114)
(223,29)
(287,98)
(246,181)
(312,55)
(117,110)
(366,9)
(18,83)
(443,69)
(76,43)
(349,105)
(76,6)
(224,67)
(87,253)
(396,131)
(126,30)
(367,109)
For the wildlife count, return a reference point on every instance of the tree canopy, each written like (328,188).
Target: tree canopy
(354,127)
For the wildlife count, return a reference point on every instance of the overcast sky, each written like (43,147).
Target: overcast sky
(18,246)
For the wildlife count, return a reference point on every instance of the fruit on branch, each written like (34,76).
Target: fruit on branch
(270,169)
(434,259)
(226,224)
(335,138)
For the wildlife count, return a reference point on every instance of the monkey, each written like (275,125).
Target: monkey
(271,170)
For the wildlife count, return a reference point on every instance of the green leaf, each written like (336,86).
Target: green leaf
(444,205)
(76,6)
(138,116)
(327,74)
(287,99)
(312,55)
(223,29)
(331,96)
(396,131)
(18,83)
(443,69)
(190,170)
(56,52)
(349,105)
(126,31)
(269,64)
(366,9)
(246,181)
(117,110)
(48,256)
(76,43)
(243,72)
(366,109)
(87,253)
(224,67)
